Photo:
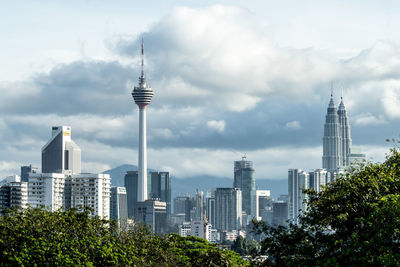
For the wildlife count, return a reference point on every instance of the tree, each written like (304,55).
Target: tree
(35,236)
(244,246)
(354,221)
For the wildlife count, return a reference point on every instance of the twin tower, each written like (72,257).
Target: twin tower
(337,138)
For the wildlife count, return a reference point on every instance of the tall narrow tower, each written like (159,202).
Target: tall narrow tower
(345,133)
(142,94)
(332,141)
(245,179)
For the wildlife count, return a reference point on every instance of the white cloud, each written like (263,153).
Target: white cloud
(391,99)
(294,125)
(365,119)
(163,133)
(203,63)
(218,126)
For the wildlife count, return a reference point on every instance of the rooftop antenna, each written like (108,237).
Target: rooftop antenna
(331,88)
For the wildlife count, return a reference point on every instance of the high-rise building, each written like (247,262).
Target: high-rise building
(332,140)
(131,185)
(142,94)
(337,138)
(210,207)
(88,190)
(183,205)
(228,205)
(13,193)
(160,187)
(118,205)
(280,213)
(63,191)
(158,183)
(265,208)
(256,195)
(26,170)
(319,178)
(197,211)
(61,154)
(46,190)
(297,181)
(152,213)
(244,178)
(345,133)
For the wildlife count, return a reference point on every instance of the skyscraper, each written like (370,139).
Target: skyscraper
(183,205)
(160,187)
(26,170)
(142,95)
(345,133)
(256,195)
(118,205)
(280,213)
(297,181)
(245,179)
(197,211)
(332,141)
(131,185)
(228,206)
(152,213)
(319,178)
(61,154)
(210,207)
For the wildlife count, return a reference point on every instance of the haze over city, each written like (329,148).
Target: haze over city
(229,78)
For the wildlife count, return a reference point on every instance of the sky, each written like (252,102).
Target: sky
(230,78)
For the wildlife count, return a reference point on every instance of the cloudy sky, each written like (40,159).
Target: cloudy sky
(230,77)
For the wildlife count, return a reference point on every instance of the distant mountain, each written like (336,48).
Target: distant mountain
(118,173)
(188,186)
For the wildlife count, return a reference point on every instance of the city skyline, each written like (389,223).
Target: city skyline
(214,101)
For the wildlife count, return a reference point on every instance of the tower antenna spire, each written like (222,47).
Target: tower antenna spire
(341,93)
(331,88)
(142,57)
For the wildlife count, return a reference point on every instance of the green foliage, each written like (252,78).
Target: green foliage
(38,237)
(245,246)
(354,221)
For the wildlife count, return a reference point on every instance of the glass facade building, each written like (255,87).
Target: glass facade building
(245,179)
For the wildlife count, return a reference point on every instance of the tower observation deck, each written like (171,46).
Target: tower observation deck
(142,93)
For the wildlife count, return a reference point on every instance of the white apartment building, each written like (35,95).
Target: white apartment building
(297,181)
(13,193)
(46,190)
(57,190)
(89,190)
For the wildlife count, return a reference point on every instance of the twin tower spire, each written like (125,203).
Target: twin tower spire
(337,138)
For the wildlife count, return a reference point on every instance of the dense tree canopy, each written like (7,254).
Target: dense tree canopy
(354,221)
(245,246)
(36,236)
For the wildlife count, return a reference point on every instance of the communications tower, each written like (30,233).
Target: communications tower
(142,94)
